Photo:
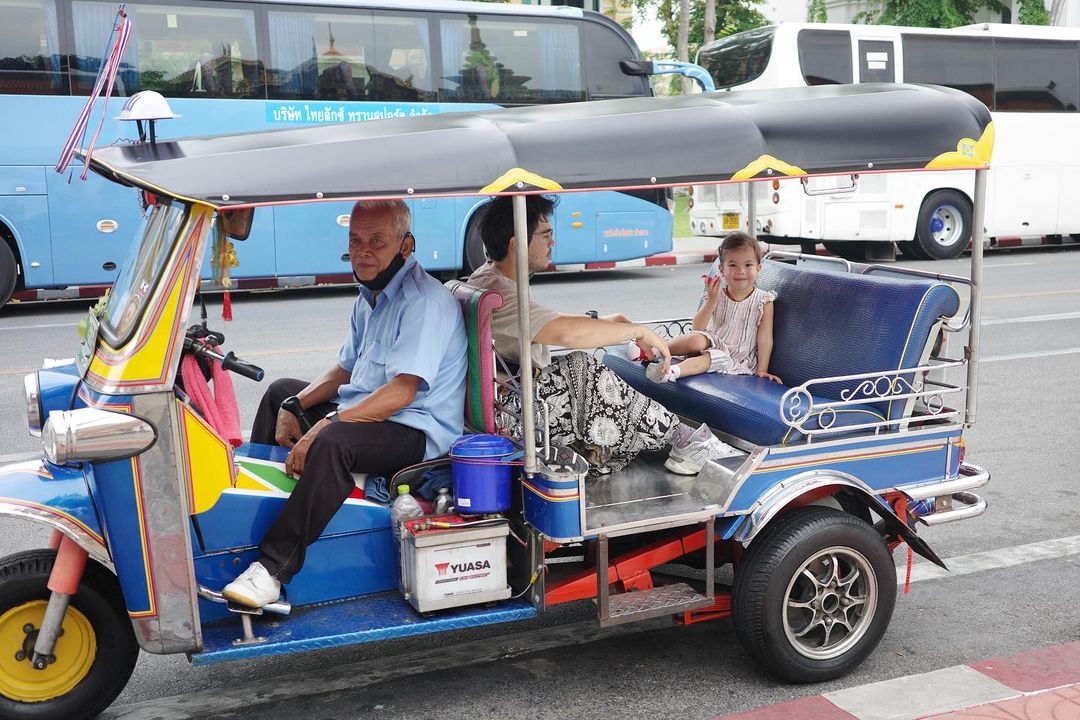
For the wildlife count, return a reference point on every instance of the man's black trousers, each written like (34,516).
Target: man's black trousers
(378,448)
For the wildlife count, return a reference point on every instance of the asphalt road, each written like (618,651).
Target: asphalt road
(1026,435)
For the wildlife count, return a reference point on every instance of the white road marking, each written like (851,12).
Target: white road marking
(1032,318)
(19,457)
(918,696)
(989,266)
(35,327)
(1029,355)
(993,559)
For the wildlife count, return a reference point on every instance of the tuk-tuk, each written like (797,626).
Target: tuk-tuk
(153,512)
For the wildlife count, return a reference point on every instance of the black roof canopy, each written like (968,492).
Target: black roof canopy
(611,144)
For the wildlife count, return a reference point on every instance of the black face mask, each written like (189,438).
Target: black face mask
(380,281)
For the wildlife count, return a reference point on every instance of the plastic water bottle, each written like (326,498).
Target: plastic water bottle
(444,502)
(404,508)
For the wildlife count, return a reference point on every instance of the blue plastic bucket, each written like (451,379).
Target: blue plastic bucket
(481,476)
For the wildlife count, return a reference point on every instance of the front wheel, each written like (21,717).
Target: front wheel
(9,272)
(944,228)
(94,655)
(814,594)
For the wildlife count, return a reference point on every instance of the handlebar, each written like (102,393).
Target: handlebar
(228,361)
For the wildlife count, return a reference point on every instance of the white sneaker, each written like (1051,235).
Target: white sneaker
(655,372)
(255,587)
(702,447)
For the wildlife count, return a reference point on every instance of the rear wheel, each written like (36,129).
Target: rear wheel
(9,272)
(814,594)
(474,255)
(94,656)
(944,228)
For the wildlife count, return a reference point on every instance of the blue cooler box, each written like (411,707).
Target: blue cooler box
(553,499)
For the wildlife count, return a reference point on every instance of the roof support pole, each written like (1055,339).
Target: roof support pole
(521,260)
(978,221)
(751,210)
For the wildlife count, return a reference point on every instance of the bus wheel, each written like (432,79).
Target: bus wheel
(9,272)
(912,249)
(94,655)
(474,255)
(944,228)
(814,594)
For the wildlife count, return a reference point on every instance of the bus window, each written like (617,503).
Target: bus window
(604,47)
(1036,75)
(510,60)
(29,49)
(963,63)
(738,59)
(825,56)
(176,50)
(402,59)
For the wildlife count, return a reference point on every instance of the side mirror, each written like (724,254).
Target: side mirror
(638,68)
(237,223)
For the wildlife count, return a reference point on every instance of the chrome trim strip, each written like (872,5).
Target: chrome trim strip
(90,544)
(972,506)
(971,477)
(906,433)
(842,455)
(778,496)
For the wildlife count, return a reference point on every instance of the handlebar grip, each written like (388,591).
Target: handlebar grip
(234,364)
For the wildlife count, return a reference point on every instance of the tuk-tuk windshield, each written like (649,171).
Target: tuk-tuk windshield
(137,279)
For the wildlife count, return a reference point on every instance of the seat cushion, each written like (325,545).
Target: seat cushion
(745,406)
(477,305)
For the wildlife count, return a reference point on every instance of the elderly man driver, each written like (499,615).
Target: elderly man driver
(394,397)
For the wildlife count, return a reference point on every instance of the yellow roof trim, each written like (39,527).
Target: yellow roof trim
(767,162)
(519,175)
(968,152)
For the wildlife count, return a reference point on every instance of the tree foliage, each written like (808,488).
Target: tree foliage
(816,12)
(1032,12)
(933,13)
(732,16)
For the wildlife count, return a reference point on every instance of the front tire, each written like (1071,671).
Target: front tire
(944,228)
(9,272)
(94,657)
(814,594)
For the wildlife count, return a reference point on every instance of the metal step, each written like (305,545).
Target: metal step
(654,602)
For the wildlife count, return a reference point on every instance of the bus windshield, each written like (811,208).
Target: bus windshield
(737,59)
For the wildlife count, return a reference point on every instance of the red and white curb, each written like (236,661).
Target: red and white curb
(951,689)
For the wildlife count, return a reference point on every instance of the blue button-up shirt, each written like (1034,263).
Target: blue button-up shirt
(414,327)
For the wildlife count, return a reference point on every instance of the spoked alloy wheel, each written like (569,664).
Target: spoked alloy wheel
(94,655)
(830,604)
(814,594)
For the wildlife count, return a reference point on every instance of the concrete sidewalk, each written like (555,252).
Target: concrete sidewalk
(1042,684)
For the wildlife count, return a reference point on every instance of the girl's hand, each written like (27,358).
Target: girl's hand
(713,288)
(768,376)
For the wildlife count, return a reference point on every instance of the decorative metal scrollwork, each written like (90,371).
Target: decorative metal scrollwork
(880,387)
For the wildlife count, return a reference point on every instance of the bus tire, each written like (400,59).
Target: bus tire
(804,630)
(94,658)
(944,228)
(474,254)
(912,249)
(9,272)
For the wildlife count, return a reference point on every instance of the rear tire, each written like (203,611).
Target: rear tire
(911,249)
(474,255)
(9,272)
(810,630)
(944,228)
(94,657)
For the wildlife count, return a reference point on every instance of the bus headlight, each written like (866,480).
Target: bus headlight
(33,403)
(92,434)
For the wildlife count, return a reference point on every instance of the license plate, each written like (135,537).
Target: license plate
(731,221)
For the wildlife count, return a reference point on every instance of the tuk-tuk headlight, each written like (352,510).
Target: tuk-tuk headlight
(92,435)
(33,403)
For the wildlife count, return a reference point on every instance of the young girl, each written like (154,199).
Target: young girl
(732,332)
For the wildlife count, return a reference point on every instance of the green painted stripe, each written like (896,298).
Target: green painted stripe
(475,394)
(270,474)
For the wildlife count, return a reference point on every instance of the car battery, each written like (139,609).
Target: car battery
(445,567)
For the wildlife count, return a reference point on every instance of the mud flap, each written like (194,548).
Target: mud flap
(892,525)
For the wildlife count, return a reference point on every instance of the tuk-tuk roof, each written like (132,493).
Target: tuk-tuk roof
(612,144)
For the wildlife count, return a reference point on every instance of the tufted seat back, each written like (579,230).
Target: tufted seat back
(477,306)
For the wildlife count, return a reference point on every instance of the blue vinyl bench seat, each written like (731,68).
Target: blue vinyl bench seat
(826,324)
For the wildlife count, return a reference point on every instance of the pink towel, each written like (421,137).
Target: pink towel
(218,407)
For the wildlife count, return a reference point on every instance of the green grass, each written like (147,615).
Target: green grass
(682,217)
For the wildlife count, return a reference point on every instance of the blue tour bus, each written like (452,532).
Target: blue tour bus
(241,66)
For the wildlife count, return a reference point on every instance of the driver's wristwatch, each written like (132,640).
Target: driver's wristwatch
(332,416)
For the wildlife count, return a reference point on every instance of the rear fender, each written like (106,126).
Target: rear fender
(817,484)
(57,497)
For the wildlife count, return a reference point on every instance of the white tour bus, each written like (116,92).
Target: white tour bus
(1029,77)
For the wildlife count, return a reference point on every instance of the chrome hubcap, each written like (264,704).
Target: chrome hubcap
(830,603)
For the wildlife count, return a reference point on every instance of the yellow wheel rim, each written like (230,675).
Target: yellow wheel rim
(75,651)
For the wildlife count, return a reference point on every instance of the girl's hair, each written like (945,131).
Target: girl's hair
(737,240)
